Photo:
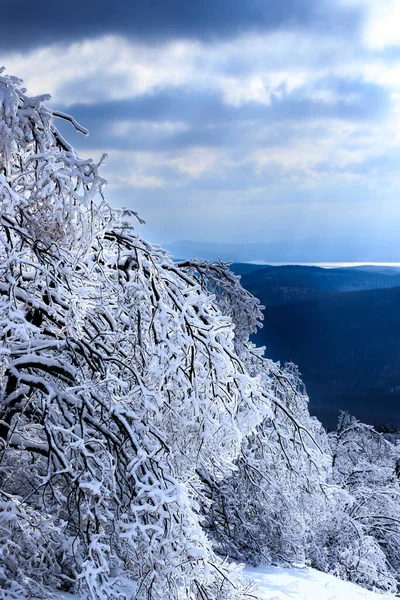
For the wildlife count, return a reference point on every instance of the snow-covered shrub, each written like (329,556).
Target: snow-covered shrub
(297,494)
(29,549)
(357,538)
(343,547)
(266,511)
(119,380)
(365,464)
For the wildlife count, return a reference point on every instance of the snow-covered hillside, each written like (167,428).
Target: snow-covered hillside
(276,583)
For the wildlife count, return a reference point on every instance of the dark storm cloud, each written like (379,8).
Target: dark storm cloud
(33,24)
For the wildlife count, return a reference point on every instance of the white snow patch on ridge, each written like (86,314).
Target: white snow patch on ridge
(277,583)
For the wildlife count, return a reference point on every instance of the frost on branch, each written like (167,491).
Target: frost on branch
(44,185)
(119,384)
(362,534)
(231,298)
(266,510)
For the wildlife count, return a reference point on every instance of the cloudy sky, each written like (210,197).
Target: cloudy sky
(228,120)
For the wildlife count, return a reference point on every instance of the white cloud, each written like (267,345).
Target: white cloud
(247,69)
(250,69)
(382,25)
(325,154)
(145,129)
(305,154)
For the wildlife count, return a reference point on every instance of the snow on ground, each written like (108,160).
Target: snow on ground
(276,583)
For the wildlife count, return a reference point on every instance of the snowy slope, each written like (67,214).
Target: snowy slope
(306,584)
(277,583)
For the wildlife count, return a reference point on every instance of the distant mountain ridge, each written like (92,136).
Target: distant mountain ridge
(342,327)
(292,283)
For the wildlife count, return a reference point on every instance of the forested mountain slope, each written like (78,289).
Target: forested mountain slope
(342,327)
(292,283)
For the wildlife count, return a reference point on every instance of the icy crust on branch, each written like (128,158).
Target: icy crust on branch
(44,185)
(364,538)
(231,298)
(267,509)
(119,384)
(119,380)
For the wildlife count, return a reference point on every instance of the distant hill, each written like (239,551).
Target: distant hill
(383,269)
(342,327)
(292,283)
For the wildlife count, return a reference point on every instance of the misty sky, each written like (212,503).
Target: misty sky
(228,120)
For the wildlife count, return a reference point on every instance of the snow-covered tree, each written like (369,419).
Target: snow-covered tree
(365,464)
(119,380)
(231,298)
(298,495)
(266,511)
